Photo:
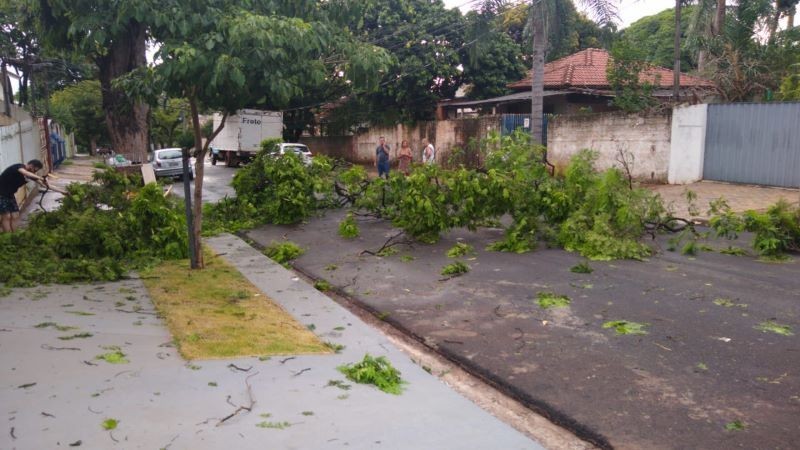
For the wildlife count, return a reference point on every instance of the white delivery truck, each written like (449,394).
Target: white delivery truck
(241,137)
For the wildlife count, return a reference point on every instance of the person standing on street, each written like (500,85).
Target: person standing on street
(428,152)
(382,158)
(13,178)
(404,159)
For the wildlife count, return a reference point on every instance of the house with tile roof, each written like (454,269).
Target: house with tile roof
(578,83)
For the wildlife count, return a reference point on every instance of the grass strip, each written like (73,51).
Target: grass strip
(217,313)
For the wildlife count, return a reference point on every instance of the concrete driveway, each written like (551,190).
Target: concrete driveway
(703,377)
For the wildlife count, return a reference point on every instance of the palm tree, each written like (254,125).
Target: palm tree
(605,11)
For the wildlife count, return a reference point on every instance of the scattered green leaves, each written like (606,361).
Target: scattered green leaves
(322,285)
(110,424)
(348,228)
(113,356)
(455,269)
(376,371)
(736,425)
(581,268)
(547,300)
(624,327)
(76,336)
(54,325)
(274,425)
(283,252)
(459,250)
(770,326)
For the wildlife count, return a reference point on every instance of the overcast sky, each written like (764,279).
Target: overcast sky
(629,10)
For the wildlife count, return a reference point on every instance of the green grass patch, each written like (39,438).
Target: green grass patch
(624,327)
(388,251)
(79,313)
(407,258)
(375,371)
(455,269)
(459,250)
(733,251)
(547,300)
(337,348)
(217,313)
(770,326)
(728,303)
(339,384)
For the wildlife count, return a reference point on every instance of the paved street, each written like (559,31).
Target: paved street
(216,183)
(703,366)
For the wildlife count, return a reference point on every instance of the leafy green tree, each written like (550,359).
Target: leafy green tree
(113,35)
(220,56)
(631,94)
(424,39)
(492,63)
(79,108)
(790,86)
(165,120)
(653,36)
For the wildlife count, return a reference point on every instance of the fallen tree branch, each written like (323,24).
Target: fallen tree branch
(235,367)
(250,405)
(391,242)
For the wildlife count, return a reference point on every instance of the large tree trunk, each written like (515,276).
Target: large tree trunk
(790,18)
(537,72)
(126,119)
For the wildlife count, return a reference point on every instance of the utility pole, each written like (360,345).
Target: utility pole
(676,76)
(537,71)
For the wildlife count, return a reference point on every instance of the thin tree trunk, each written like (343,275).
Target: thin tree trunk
(126,120)
(537,72)
(676,76)
(197,216)
(790,18)
(701,60)
(92,146)
(773,23)
(719,19)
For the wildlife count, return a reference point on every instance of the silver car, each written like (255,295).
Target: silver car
(299,149)
(167,162)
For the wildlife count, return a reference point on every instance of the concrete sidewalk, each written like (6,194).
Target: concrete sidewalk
(55,393)
(740,197)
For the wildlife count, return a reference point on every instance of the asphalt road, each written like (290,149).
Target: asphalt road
(702,372)
(216,183)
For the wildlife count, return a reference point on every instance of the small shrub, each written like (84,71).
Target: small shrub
(348,228)
(455,269)
(110,424)
(376,371)
(283,252)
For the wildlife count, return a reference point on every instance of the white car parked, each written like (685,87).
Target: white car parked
(168,162)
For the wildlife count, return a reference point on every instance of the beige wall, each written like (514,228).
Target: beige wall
(445,135)
(645,138)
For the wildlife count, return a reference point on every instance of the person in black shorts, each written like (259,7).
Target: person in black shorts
(13,178)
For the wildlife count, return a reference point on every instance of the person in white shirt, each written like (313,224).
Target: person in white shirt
(428,152)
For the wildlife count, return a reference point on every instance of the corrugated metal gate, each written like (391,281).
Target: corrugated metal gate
(754,143)
(511,122)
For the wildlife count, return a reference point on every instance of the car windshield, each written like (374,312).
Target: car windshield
(296,148)
(169,154)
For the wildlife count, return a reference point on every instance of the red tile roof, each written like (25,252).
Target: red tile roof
(587,69)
